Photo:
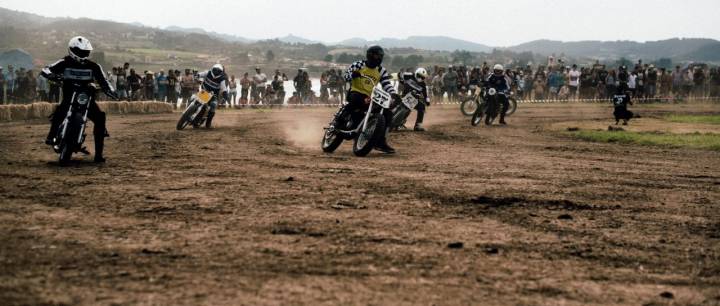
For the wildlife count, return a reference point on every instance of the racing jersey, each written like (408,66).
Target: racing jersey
(370,77)
(216,85)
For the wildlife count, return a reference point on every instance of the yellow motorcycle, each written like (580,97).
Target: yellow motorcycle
(197,110)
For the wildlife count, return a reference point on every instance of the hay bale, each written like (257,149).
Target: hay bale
(111,107)
(123,107)
(5,114)
(19,112)
(40,110)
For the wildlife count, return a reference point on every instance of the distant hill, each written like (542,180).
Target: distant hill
(225,37)
(670,48)
(292,39)
(22,19)
(436,43)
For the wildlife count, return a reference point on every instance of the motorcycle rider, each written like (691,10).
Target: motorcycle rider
(214,81)
(501,83)
(416,81)
(76,69)
(363,76)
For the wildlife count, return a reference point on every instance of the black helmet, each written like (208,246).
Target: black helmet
(374,56)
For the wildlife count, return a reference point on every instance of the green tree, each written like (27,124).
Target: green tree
(462,56)
(270,56)
(623,62)
(413,61)
(328,58)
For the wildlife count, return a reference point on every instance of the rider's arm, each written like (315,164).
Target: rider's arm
(51,71)
(99,75)
(353,68)
(385,81)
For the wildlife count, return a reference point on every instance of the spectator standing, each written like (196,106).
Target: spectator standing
(714,82)
(450,80)
(632,83)
(437,85)
(23,87)
(149,83)
(574,83)
(651,85)
(259,80)
(677,77)
(134,83)
(187,86)
(666,83)
(324,80)
(173,86)
(610,84)
(554,82)
(233,90)
(10,84)
(162,85)
(640,82)
(42,89)
(244,88)
(2,86)
(699,82)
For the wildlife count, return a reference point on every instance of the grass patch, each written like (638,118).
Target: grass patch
(695,140)
(709,119)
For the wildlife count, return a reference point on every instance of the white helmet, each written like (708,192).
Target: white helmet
(217,70)
(421,73)
(498,67)
(79,48)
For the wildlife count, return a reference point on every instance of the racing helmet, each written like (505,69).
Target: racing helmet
(374,56)
(216,70)
(79,48)
(498,69)
(421,74)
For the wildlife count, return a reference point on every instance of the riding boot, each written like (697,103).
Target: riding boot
(502,117)
(208,123)
(99,146)
(382,145)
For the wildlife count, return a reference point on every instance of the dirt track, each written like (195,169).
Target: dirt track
(253,213)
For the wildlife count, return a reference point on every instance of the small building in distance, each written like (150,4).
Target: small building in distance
(18,58)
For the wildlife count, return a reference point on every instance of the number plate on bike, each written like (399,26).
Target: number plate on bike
(380,97)
(204,97)
(410,101)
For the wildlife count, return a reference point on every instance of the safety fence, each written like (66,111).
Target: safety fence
(521,101)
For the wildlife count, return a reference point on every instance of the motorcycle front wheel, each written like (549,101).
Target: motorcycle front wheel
(469,106)
(369,136)
(185,118)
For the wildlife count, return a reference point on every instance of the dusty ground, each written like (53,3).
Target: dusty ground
(253,213)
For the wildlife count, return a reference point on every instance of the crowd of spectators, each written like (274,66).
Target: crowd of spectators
(552,81)
(556,81)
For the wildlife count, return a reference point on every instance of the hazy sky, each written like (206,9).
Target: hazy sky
(495,23)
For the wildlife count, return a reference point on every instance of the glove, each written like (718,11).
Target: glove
(396,99)
(355,74)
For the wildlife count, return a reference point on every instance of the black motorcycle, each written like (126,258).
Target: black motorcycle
(490,106)
(469,106)
(365,127)
(71,133)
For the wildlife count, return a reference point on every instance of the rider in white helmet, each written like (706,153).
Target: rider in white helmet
(501,83)
(214,81)
(416,82)
(78,69)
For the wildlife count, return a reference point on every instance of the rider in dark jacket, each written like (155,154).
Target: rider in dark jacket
(214,81)
(501,83)
(416,82)
(77,70)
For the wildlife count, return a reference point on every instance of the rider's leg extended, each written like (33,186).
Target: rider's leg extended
(420,116)
(55,120)
(505,106)
(99,130)
(211,112)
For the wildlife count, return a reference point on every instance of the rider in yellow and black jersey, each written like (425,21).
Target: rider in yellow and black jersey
(363,77)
